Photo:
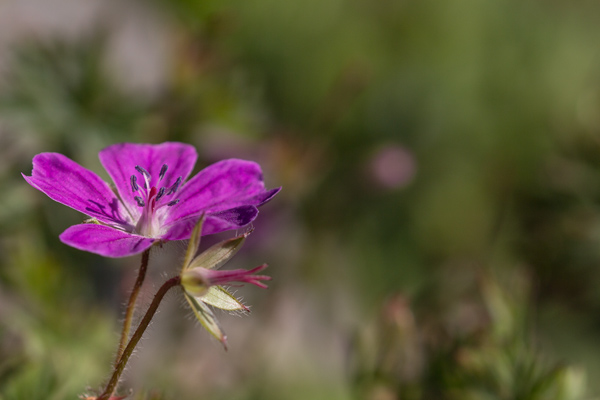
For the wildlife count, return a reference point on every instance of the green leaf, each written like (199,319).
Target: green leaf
(207,319)
(219,254)
(194,243)
(219,297)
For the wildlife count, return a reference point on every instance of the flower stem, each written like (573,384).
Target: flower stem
(131,305)
(137,335)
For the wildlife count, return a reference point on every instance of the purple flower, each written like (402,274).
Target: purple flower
(153,201)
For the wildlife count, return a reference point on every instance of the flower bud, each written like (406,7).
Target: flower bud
(196,281)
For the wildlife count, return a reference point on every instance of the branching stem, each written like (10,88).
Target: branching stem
(137,335)
(131,305)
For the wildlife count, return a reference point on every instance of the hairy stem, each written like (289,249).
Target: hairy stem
(131,305)
(137,335)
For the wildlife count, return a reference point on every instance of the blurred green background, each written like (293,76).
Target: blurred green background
(438,232)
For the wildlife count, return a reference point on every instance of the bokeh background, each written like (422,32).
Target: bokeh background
(438,232)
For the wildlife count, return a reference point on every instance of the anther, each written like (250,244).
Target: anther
(142,171)
(160,194)
(172,203)
(134,185)
(139,200)
(175,186)
(163,171)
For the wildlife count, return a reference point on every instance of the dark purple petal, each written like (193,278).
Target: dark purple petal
(221,186)
(234,218)
(237,217)
(104,240)
(265,197)
(67,182)
(120,161)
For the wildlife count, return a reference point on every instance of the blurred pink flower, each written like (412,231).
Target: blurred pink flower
(393,166)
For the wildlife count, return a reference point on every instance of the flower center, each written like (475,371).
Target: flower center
(151,200)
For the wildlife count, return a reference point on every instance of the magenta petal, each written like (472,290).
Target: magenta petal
(67,182)
(104,240)
(221,186)
(120,161)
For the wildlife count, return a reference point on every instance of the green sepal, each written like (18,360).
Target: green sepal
(220,297)
(194,243)
(219,254)
(207,319)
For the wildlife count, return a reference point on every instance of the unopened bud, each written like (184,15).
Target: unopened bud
(196,281)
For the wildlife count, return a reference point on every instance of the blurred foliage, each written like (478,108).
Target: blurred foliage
(481,350)
(429,153)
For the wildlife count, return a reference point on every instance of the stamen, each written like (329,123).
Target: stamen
(160,194)
(134,185)
(142,171)
(172,203)
(146,175)
(175,186)
(163,171)
(139,200)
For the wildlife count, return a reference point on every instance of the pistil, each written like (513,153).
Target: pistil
(149,199)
